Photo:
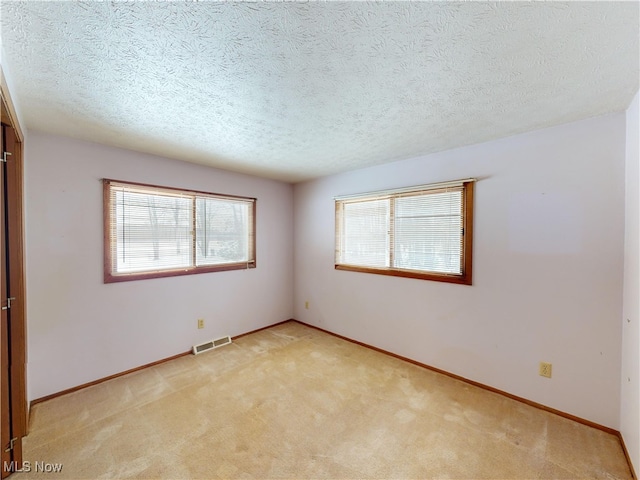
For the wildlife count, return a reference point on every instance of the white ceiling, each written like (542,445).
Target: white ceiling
(293,91)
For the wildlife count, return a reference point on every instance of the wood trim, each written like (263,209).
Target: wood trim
(337,241)
(15,220)
(104,379)
(465,278)
(628,457)
(178,189)
(467,245)
(531,403)
(128,277)
(261,328)
(108,263)
(106,231)
(10,107)
(6,456)
(253,235)
(16,258)
(394,272)
(136,369)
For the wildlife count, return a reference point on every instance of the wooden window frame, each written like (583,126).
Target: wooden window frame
(464,278)
(110,276)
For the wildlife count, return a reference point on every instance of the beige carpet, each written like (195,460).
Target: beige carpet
(293,402)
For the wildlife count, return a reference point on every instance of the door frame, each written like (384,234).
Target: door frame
(17,281)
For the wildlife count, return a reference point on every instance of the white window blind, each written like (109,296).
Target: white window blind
(412,232)
(222,231)
(428,231)
(155,230)
(365,240)
(151,231)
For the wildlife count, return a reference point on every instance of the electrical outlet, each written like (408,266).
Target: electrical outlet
(306,305)
(201,323)
(545,369)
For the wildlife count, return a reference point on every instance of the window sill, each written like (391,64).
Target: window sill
(464,279)
(128,277)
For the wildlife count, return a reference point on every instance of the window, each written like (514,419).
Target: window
(155,232)
(420,232)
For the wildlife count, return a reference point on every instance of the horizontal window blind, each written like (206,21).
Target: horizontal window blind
(365,240)
(150,231)
(419,230)
(222,231)
(158,229)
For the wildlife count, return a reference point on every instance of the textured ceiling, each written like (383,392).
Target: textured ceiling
(298,90)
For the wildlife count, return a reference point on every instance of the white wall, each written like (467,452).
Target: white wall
(548,263)
(630,374)
(81,329)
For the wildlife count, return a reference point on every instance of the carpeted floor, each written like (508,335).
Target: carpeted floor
(294,402)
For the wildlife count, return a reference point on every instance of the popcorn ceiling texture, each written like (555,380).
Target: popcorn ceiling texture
(293,91)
